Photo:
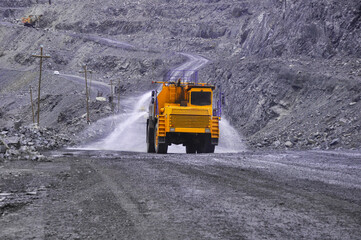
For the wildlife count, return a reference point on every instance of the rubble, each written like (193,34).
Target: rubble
(27,142)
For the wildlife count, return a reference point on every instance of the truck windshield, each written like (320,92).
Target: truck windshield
(201,98)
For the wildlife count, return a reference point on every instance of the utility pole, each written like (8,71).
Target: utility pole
(111,95)
(284,8)
(41,56)
(111,98)
(90,84)
(86,91)
(111,88)
(118,96)
(32,105)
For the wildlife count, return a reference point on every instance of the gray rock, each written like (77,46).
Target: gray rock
(3,149)
(5,194)
(18,124)
(276,143)
(288,144)
(316,134)
(310,141)
(13,152)
(13,142)
(24,149)
(334,142)
(31,193)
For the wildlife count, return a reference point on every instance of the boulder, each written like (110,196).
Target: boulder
(13,142)
(276,143)
(288,144)
(335,141)
(2,149)
(18,124)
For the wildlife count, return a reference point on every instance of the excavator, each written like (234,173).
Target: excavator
(31,20)
(182,113)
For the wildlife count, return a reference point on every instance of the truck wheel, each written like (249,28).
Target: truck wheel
(191,149)
(210,148)
(205,146)
(150,139)
(201,148)
(159,147)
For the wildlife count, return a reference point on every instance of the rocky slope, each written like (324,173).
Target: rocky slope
(297,75)
(290,69)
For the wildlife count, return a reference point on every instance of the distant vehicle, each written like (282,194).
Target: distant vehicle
(181,113)
(56,73)
(31,20)
(101,99)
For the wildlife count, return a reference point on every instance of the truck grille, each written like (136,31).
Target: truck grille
(188,111)
(189,121)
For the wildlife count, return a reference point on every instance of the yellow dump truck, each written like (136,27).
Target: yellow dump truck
(31,20)
(182,113)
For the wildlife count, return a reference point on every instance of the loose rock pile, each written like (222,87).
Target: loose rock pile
(25,142)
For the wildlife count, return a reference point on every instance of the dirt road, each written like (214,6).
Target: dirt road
(94,85)
(123,195)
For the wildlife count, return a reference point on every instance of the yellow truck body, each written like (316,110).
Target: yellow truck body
(31,20)
(182,113)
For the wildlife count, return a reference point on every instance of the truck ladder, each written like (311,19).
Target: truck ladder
(215,127)
(172,93)
(161,126)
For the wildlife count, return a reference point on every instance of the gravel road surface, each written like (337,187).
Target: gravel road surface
(123,195)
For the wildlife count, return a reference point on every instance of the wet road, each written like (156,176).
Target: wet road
(124,195)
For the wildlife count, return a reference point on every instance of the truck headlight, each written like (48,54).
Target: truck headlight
(172,129)
(208,130)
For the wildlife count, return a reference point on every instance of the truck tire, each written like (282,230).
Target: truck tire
(210,148)
(191,149)
(159,147)
(205,145)
(150,138)
(201,148)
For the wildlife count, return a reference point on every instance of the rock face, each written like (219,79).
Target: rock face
(294,72)
(290,68)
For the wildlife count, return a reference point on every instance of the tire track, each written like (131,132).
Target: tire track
(128,204)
